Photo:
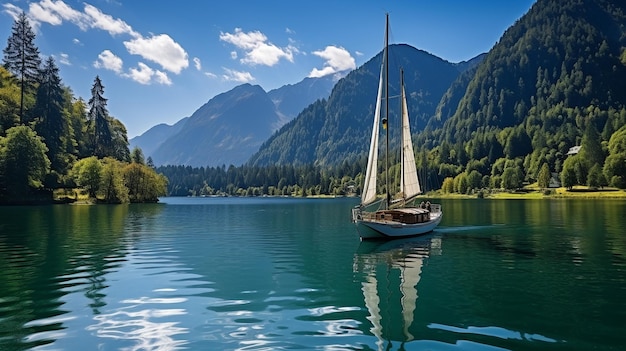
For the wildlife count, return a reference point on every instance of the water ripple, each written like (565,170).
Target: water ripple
(497,332)
(138,326)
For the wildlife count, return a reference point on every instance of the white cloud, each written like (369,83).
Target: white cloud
(197,63)
(64,59)
(12,10)
(162,78)
(77,42)
(42,15)
(110,61)
(160,49)
(237,76)
(210,75)
(114,26)
(55,12)
(337,59)
(15,12)
(258,51)
(142,74)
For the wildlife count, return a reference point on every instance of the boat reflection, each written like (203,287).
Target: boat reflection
(390,272)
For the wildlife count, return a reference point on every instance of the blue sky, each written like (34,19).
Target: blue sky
(159,61)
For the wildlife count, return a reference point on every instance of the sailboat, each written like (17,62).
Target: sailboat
(387,217)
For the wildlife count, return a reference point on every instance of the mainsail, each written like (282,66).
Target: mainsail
(369,188)
(408,179)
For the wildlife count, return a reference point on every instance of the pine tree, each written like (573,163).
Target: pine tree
(99,127)
(52,125)
(21,58)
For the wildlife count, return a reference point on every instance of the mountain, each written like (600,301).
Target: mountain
(547,99)
(225,130)
(554,80)
(151,139)
(567,53)
(204,139)
(331,131)
(451,98)
(291,99)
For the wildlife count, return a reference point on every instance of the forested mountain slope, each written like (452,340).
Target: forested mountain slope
(558,71)
(338,129)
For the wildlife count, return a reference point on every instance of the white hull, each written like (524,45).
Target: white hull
(390,229)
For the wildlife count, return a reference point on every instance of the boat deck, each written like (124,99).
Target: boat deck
(409,215)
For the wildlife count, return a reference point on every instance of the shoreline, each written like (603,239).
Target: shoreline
(531,193)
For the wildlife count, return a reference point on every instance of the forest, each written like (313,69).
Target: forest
(54,146)
(545,105)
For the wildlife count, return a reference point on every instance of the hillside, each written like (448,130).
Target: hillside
(558,72)
(225,130)
(230,139)
(149,141)
(554,80)
(338,129)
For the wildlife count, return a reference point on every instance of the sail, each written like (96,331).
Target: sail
(369,188)
(408,178)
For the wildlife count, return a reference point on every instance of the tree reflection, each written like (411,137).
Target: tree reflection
(47,253)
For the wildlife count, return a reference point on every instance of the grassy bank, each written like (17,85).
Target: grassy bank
(532,192)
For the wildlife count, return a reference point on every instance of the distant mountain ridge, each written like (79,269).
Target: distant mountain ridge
(331,131)
(154,137)
(231,126)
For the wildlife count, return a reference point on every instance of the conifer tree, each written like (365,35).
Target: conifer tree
(21,58)
(99,127)
(591,148)
(52,125)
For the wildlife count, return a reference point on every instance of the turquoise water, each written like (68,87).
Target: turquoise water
(282,273)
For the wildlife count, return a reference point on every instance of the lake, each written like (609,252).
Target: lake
(289,273)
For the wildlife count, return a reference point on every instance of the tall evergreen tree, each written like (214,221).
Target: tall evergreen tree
(21,57)
(99,127)
(78,121)
(52,125)
(591,148)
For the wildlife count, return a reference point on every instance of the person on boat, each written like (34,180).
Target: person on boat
(422,205)
(428,206)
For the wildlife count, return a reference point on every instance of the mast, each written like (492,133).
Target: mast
(402,187)
(386,119)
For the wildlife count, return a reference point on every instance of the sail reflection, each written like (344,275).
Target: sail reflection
(391,272)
